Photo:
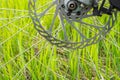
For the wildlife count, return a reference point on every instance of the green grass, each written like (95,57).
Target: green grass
(25,55)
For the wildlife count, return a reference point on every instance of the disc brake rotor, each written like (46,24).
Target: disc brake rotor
(69,23)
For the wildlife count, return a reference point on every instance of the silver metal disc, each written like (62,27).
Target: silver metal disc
(73,31)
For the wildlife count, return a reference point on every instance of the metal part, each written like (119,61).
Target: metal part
(76,7)
(115,4)
(72,5)
(86,2)
(71,23)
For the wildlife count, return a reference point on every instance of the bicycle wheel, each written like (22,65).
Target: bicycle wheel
(24,54)
(71,24)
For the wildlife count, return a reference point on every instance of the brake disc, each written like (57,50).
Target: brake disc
(72,23)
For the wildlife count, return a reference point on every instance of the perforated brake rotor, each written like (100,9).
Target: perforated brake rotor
(69,23)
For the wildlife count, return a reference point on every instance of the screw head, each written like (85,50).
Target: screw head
(68,14)
(63,6)
(78,13)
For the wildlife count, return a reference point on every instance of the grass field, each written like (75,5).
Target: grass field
(25,55)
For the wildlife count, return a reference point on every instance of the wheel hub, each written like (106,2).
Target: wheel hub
(72,5)
(75,9)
